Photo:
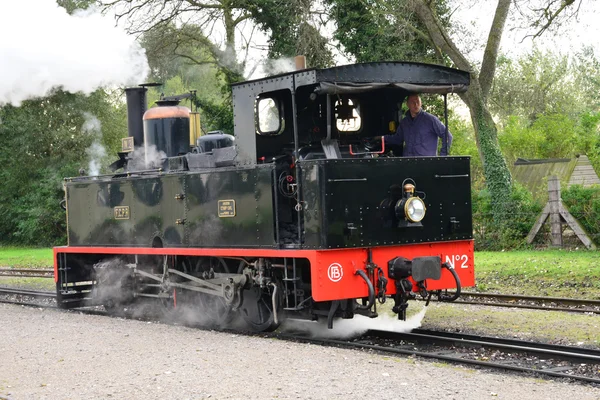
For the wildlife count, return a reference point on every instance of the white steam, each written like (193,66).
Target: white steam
(96,152)
(44,48)
(273,67)
(147,157)
(349,328)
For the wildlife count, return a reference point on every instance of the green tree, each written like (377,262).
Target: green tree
(199,24)
(72,5)
(536,83)
(197,21)
(384,30)
(41,142)
(177,64)
(292,30)
(547,105)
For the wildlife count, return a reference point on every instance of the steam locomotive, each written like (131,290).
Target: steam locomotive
(299,214)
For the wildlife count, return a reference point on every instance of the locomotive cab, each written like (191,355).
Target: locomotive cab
(334,189)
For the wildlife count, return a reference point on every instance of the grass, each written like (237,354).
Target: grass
(20,257)
(560,273)
(547,326)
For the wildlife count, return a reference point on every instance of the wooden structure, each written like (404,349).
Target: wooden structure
(558,213)
(533,174)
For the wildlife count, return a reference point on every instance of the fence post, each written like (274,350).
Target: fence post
(554,201)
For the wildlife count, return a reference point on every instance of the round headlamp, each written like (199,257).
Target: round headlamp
(414,209)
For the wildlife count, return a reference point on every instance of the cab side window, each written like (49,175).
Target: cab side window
(269,116)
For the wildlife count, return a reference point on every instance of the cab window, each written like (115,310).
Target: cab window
(269,116)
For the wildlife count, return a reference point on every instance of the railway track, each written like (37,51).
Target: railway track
(24,297)
(474,298)
(531,302)
(27,292)
(27,272)
(551,361)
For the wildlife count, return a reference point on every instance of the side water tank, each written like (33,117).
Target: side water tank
(168,128)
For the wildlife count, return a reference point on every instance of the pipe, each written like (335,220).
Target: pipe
(456,295)
(297,170)
(371,291)
(328,117)
(274,300)
(446,123)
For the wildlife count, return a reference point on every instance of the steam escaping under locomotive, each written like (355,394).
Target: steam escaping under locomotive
(298,214)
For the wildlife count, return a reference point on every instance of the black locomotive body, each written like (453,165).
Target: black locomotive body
(297,214)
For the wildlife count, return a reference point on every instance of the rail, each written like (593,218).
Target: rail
(27,272)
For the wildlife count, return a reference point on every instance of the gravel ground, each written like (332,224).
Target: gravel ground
(49,354)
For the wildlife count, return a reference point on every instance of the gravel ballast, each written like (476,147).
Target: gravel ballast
(51,354)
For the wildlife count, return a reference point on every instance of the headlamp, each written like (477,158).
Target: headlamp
(414,209)
(410,209)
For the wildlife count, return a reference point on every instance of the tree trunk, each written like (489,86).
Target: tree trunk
(496,172)
(233,70)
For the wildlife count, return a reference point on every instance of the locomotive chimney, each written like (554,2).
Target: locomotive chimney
(136,107)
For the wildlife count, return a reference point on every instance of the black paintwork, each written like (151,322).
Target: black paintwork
(179,209)
(170,135)
(345,201)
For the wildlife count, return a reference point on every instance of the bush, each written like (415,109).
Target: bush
(503,235)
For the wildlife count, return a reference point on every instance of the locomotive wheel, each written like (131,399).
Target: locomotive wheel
(211,310)
(257,311)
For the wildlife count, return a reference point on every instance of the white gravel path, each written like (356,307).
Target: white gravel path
(49,354)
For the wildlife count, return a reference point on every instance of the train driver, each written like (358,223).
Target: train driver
(418,132)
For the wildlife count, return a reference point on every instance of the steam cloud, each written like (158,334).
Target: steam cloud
(96,151)
(146,158)
(45,48)
(349,328)
(273,67)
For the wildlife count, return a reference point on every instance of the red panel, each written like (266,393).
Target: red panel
(333,276)
(459,254)
(333,271)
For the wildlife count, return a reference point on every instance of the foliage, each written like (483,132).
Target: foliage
(463,144)
(383,30)
(188,24)
(72,5)
(291,30)
(587,75)
(171,66)
(550,136)
(523,212)
(52,140)
(547,105)
(584,204)
(536,83)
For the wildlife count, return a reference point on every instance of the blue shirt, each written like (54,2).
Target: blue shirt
(419,135)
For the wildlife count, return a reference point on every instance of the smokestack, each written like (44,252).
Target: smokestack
(136,107)
(300,62)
